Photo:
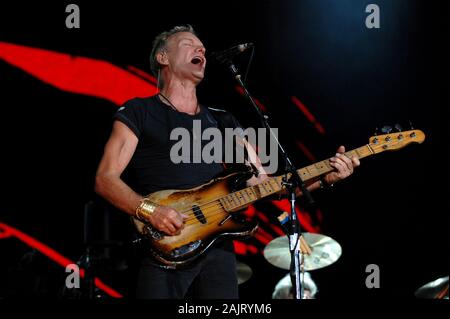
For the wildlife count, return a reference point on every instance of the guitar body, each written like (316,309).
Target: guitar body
(208,221)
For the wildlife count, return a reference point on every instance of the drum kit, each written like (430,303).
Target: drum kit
(318,251)
(437,289)
(244,272)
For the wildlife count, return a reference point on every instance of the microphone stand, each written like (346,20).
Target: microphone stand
(291,185)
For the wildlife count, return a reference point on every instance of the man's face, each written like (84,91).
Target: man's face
(186,56)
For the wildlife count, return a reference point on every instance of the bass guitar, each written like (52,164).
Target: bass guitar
(214,208)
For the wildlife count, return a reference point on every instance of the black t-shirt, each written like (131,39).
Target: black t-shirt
(151,168)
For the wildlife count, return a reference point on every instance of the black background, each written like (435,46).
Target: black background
(392,212)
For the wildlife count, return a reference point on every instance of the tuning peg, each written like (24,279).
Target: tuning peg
(410,125)
(376,131)
(398,127)
(386,129)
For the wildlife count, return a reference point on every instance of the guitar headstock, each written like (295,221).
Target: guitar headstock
(395,141)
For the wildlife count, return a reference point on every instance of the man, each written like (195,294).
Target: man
(140,141)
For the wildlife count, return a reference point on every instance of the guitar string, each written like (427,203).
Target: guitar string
(188,210)
(216,201)
(208,214)
(214,212)
(218,210)
(271,192)
(192,215)
(221,197)
(209,221)
(215,220)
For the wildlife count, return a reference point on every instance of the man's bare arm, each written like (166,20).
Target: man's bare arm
(117,154)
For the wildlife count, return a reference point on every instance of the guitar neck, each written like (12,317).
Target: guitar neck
(248,195)
(315,170)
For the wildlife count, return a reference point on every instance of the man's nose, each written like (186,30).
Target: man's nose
(201,49)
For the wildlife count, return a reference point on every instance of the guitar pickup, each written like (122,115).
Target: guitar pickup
(199,214)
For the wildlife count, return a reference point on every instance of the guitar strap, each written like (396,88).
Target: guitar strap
(225,120)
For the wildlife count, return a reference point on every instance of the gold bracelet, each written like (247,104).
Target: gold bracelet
(145,209)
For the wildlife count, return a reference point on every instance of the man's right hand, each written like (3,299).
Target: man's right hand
(167,220)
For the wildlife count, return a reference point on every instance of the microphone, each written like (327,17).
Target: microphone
(228,54)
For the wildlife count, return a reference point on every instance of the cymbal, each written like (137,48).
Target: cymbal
(437,289)
(244,272)
(325,251)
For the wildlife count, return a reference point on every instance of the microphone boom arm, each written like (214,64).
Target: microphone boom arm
(225,55)
(291,184)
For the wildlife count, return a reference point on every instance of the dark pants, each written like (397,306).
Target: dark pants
(212,277)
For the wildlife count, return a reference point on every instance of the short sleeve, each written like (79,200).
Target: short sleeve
(230,121)
(132,114)
(234,122)
(224,119)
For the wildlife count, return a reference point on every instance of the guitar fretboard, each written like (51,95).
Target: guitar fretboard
(251,194)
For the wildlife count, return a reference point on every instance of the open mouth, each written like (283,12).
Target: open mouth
(197,60)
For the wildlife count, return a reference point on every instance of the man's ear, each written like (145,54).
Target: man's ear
(162,58)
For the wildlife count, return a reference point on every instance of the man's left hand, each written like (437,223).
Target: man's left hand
(343,166)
